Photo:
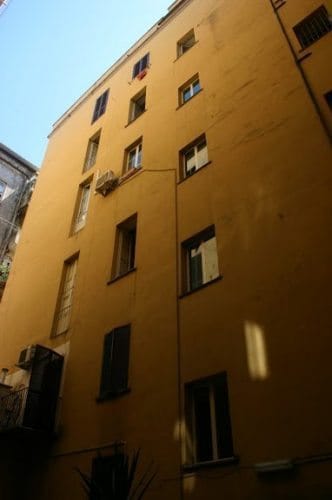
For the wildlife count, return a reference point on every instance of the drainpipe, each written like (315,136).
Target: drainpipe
(305,79)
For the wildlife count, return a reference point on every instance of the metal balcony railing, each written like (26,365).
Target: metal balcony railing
(11,409)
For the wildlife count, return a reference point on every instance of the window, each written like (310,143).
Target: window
(2,190)
(91,153)
(186,43)
(141,65)
(65,300)
(125,247)
(114,374)
(133,157)
(194,157)
(190,89)
(313,27)
(208,420)
(201,259)
(328,98)
(83,204)
(100,106)
(107,475)
(137,105)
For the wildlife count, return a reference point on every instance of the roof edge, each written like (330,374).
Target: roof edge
(18,158)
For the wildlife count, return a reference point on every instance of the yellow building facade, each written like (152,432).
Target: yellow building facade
(171,289)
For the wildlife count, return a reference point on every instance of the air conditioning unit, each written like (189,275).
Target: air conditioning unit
(106,182)
(26,357)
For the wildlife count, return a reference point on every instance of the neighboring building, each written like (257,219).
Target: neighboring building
(17,179)
(176,257)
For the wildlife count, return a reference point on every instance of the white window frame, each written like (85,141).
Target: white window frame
(200,156)
(65,301)
(137,156)
(182,45)
(83,207)
(125,250)
(92,151)
(133,114)
(191,88)
(204,246)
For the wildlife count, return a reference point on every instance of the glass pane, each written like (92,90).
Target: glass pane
(210,260)
(186,94)
(196,87)
(202,155)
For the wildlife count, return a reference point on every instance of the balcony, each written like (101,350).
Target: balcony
(33,408)
(26,409)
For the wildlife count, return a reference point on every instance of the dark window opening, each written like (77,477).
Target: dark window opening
(100,106)
(141,65)
(313,27)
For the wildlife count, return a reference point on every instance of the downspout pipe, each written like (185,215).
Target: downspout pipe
(305,79)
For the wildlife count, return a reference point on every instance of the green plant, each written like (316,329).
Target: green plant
(4,271)
(118,480)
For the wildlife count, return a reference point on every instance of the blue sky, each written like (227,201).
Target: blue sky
(52,51)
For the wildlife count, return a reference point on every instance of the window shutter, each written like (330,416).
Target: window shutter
(196,274)
(105,383)
(144,62)
(103,103)
(120,359)
(136,69)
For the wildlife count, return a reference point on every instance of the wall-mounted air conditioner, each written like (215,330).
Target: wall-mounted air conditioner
(106,183)
(26,357)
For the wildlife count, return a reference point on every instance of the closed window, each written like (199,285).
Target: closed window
(91,153)
(141,66)
(200,259)
(100,106)
(313,27)
(137,105)
(133,156)
(82,206)
(114,374)
(194,157)
(186,43)
(208,420)
(187,91)
(125,247)
(65,298)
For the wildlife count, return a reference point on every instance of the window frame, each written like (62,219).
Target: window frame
(137,147)
(328,99)
(306,30)
(193,273)
(189,86)
(90,155)
(69,267)
(219,432)
(100,106)
(114,377)
(142,64)
(80,217)
(193,146)
(2,190)
(124,256)
(133,115)
(181,44)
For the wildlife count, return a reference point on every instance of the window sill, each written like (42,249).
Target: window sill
(190,292)
(191,98)
(129,174)
(134,119)
(196,171)
(118,277)
(222,462)
(112,395)
(186,52)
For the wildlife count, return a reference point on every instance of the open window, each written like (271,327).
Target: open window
(65,297)
(139,69)
(125,247)
(92,150)
(82,206)
(313,27)
(137,105)
(208,420)
(200,258)
(193,157)
(186,43)
(133,156)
